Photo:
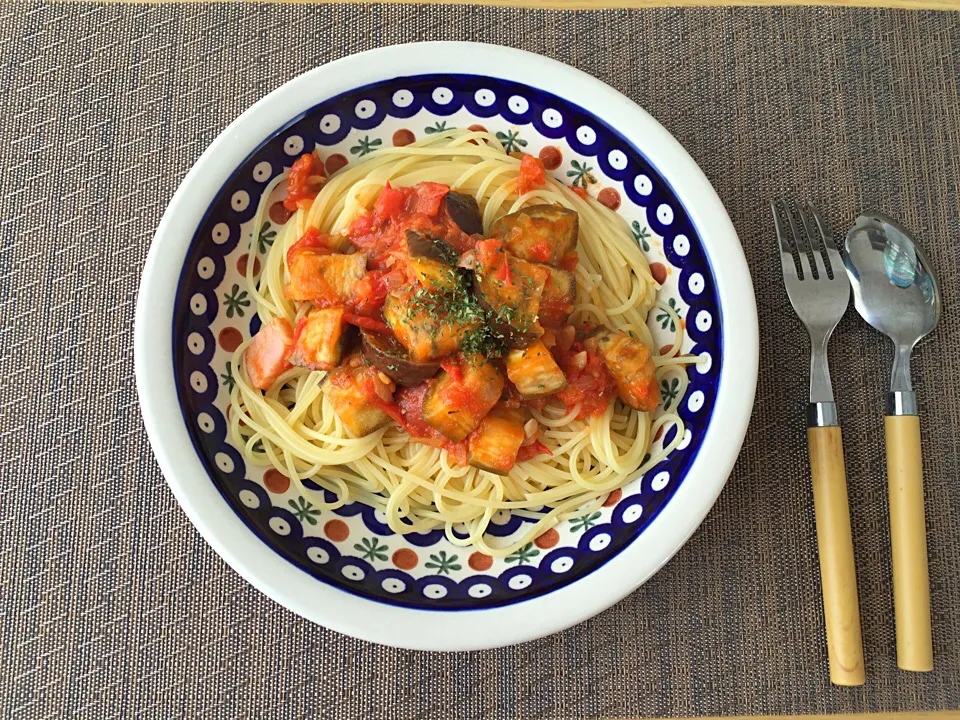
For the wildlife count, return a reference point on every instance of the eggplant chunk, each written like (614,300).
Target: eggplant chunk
(320,341)
(494,445)
(559,295)
(455,408)
(630,363)
(357,395)
(512,296)
(384,352)
(432,261)
(539,233)
(420,327)
(420,246)
(464,212)
(434,276)
(534,371)
(324,280)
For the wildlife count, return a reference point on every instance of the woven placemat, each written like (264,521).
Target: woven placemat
(111,606)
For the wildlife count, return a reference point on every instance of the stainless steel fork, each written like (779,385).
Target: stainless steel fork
(819,291)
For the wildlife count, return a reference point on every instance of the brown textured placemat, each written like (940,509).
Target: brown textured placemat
(627,4)
(111,606)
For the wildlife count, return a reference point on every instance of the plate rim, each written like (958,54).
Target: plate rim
(370,619)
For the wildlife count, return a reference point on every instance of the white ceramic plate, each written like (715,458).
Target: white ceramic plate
(344,569)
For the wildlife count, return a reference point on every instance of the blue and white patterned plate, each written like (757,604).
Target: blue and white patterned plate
(345,568)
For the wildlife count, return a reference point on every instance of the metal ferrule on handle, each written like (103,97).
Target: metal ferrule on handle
(822,414)
(902,402)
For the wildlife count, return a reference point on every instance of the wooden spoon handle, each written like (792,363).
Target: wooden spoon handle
(838,575)
(908,539)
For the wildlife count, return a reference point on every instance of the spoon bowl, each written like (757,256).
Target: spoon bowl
(894,289)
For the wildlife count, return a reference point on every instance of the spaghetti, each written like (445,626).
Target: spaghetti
(294,427)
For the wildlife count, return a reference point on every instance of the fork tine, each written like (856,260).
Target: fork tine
(833,254)
(801,242)
(814,241)
(786,250)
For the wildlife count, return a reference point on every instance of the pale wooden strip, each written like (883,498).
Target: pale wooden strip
(619,4)
(925,715)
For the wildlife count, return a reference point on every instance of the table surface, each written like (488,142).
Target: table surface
(111,605)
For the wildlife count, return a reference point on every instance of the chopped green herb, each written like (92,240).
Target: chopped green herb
(455,306)
(445,252)
(483,341)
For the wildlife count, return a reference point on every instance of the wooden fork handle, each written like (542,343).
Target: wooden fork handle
(908,540)
(838,576)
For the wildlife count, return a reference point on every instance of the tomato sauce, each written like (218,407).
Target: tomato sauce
(306,178)
(312,239)
(381,233)
(533,450)
(592,387)
(366,323)
(532,174)
(409,402)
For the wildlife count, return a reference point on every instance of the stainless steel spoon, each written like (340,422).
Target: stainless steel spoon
(895,291)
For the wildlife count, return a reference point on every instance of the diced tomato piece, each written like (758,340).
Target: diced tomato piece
(532,174)
(533,450)
(304,181)
(487,251)
(370,293)
(582,192)
(313,239)
(541,251)
(266,358)
(365,224)
(456,238)
(373,288)
(503,273)
(429,197)
(367,323)
(391,409)
(301,324)
(391,203)
(452,368)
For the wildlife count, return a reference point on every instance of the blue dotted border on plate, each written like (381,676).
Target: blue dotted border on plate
(365,109)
